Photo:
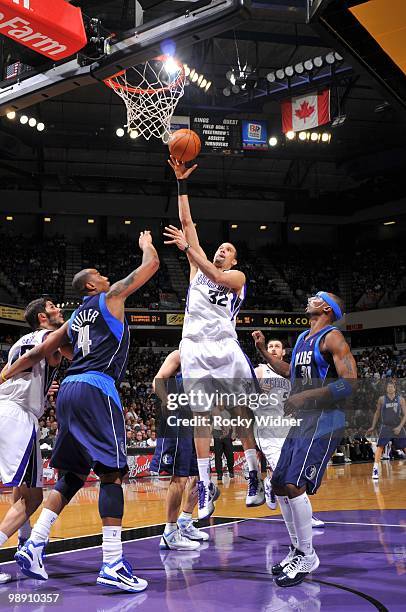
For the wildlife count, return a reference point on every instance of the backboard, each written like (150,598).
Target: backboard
(120,34)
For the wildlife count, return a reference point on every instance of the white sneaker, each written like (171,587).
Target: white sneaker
(270,496)
(255,494)
(297,570)
(175,540)
(188,530)
(30,559)
(317,522)
(119,575)
(207,495)
(375,473)
(4,578)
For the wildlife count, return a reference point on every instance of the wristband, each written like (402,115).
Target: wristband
(340,389)
(182,187)
(187,247)
(3,376)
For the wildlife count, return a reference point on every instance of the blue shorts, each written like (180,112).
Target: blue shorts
(91,431)
(307,450)
(175,452)
(386,435)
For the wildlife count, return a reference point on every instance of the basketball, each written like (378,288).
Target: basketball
(184,145)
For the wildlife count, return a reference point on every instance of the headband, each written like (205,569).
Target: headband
(335,307)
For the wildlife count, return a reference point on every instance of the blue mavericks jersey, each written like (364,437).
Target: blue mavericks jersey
(391,411)
(309,369)
(100,341)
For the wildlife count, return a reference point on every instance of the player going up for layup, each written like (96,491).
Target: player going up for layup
(322,372)
(209,348)
(90,417)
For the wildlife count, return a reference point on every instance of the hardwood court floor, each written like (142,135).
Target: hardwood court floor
(347,487)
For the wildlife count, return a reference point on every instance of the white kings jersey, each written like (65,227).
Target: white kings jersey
(211,310)
(28,389)
(276,387)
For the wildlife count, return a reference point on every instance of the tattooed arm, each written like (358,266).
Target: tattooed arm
(336,347)
(120,291)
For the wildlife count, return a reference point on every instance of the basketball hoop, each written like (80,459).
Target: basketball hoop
(150,92)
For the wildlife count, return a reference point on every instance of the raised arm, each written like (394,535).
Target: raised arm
(46,350)
(281,367)
(119,292)
(376,417)
(233,279)
(185,217)
(169,368)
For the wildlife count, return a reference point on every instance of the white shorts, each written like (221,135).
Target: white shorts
(270,446)
(20,454)
(216,367)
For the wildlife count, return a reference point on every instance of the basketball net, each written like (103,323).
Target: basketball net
(150,93)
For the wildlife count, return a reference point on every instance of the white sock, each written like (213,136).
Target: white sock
(204,470)
(286,511)
(302,519)
(376,466)
(112,546)
(169,527)
(251,459)
(42,527)
(186,516)
(3,538)
(25,530)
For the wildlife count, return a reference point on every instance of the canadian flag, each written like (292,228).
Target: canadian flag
(306,112)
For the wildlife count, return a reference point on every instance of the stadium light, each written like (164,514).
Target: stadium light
(318,61)
(47,219)
(290,135)
(120,132)
(289,71)
(234,226)
(308,65)
(262,227)
(325,137)
(195,77)
(271,77)
(90,221)
(226,92)
(302,135)
(134,134)
(23,119)
(296,228)
(280,74)
(9,218)
(11,115)
(40,126)
(207,86)
(273,141)
(203,84)
(32,122)
(299,68)
(127,222)
(389,222)
(314,136)
(186,70)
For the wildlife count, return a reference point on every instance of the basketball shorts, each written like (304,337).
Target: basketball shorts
(91,431)
(211,368)
(175,456)
(308,448)
(386,435)
(20,454)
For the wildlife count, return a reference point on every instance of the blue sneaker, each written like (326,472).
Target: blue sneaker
(30,559)
(21,542)
(119,575)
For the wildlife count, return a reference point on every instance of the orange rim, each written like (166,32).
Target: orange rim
(139,90)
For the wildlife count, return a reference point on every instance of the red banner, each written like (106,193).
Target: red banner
(53,28)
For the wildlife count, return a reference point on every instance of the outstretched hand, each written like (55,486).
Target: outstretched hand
(145,239)
(259,339)
(177,237)
(179,168)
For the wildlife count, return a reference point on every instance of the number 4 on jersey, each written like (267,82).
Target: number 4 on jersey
(84,341)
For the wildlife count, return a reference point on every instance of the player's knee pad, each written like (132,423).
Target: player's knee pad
(69,485)
(111,500)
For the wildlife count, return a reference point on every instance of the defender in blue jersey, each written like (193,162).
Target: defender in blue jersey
(175,453)
(90,416)
(322,372)
(391,413)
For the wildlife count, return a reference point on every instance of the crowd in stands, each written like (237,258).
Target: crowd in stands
(375,275)
(34,266)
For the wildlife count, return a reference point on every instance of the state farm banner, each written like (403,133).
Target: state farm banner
(306,112)
(53,28)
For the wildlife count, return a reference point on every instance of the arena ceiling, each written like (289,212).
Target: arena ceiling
(79,150)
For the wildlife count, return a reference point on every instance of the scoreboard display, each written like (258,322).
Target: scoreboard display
(218,134)
(248,320)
